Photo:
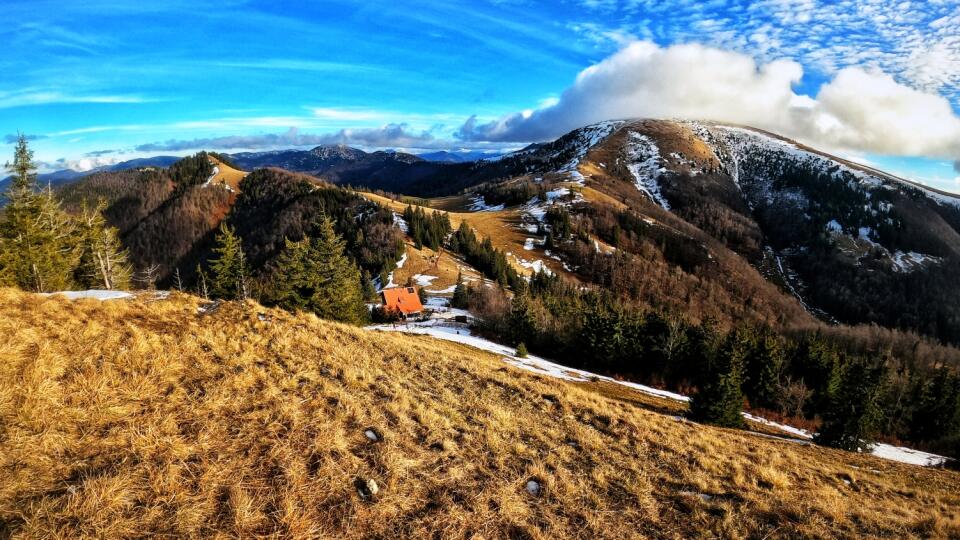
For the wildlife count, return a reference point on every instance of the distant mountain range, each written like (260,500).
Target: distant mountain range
(65,176)
(317,160)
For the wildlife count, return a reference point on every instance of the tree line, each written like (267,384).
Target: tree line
(811,378)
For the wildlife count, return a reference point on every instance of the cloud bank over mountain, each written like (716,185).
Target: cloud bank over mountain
(858,110)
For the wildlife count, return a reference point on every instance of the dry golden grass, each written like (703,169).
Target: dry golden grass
(501,227)
(444,265)
(228,175)
(147,418)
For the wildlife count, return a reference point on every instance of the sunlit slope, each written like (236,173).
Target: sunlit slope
(153,417)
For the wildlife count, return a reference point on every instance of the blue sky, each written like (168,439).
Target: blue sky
(101,81)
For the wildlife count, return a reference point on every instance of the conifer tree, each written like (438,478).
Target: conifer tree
(460,299)
(763,368)
(315,275)
(229,279)
(719,398)
(523,322)
(38,249)
(851,420)
(366,285)
(103,259)
(602,333)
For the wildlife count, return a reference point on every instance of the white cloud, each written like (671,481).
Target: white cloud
(83,164)
(856,111)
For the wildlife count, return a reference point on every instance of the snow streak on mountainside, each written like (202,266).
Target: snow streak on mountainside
(644,165)
(583,140)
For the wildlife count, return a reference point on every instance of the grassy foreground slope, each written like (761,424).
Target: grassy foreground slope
(150,417)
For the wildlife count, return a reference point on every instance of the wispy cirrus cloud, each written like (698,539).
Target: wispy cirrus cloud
(10,100)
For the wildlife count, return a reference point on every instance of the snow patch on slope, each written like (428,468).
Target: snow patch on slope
(400,223)
(904,262)
(423,280)
(644,165)
(477,204)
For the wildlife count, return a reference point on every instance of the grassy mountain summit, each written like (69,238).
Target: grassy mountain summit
(172,416)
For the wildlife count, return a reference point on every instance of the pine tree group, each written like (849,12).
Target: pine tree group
(315,275)
(854,414)
(45,249)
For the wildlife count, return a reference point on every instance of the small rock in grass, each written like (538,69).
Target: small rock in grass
(702,496)
(367,489)
(534,488)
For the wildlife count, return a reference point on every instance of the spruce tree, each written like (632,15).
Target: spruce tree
(366,286)
(851,420)
(315,275)
(229,279)
(523,321)
(763,369)
(719,397)
(23,169)
(460,299)
(602,333)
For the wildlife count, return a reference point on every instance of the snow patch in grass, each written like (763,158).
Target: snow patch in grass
(216,171)
(907,455)
(423,280)
(448,290)
(92,294)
